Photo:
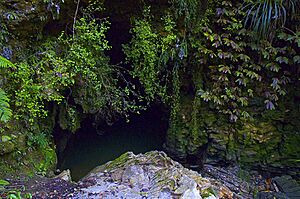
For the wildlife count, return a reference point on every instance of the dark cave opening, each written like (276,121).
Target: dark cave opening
(88,148)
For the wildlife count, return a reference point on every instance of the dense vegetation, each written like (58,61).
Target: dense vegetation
(236,58)
(226,69)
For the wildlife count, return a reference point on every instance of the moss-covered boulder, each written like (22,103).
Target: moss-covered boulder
(17,158)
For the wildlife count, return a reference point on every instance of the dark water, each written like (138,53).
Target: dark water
(87,149)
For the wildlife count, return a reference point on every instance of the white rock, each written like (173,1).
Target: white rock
(191,194)
(211,197)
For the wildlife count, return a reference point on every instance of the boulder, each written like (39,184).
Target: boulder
(150,175)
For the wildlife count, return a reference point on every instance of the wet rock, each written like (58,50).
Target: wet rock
(288,186)
(135,175)
(229,177)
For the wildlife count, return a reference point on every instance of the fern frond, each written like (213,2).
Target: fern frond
(5,111)
(265,16)
(5,63)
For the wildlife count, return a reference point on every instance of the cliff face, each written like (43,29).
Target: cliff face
(268,142)
(20,22)
(24,23)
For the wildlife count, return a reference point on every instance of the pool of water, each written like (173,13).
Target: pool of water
(87,149)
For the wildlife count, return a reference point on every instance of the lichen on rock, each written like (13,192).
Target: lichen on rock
(152,175)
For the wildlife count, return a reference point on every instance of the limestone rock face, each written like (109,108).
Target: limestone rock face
(150,175)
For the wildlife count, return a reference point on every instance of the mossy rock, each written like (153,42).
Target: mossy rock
(155,169)
(7,147)
(27,161)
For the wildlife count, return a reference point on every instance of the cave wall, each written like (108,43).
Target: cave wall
(268,142)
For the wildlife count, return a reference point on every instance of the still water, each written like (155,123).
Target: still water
(87,149)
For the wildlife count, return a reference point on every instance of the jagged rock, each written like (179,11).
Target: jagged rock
(151,175)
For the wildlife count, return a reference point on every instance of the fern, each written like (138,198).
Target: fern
(5,63)
(5,111)
(265,16)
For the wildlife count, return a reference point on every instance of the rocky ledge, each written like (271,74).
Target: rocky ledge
(151,175)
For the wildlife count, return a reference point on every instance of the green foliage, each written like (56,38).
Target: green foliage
(219,51)
(239,69)
(18,195)
(72,70)
(193,51)
(5,63)
(49,159)
(210,58)
(28,93)
(5,138)
(153,59)
(68,118)
(40,140)
(5,111)
(264,17)
(14,195)
(4,182)
(6,193)
(189,9)
(83,70)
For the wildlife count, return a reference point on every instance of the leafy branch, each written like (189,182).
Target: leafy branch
(5,63)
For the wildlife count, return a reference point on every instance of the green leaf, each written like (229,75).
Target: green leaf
(5,63)
(296,59)
(282,60)
(5,111)
(273,66)
(4,183)
(5,138)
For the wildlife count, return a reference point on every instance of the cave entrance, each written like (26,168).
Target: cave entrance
(87,148)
